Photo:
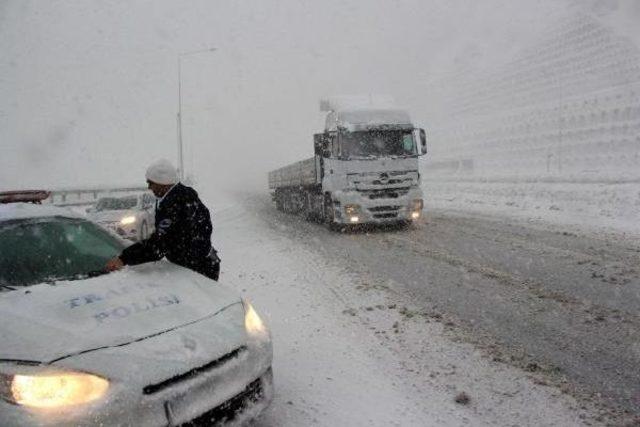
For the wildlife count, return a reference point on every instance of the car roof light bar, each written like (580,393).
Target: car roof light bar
(25,196)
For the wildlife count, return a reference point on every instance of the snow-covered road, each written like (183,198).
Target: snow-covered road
(351,349)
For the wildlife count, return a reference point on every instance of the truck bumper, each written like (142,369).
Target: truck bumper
(355,208)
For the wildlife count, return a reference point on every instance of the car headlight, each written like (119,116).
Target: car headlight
(52,390)
(253,323)
(128,220)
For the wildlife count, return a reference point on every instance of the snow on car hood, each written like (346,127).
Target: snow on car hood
(44,322)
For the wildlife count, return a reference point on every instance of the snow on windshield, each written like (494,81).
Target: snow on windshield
(49,249)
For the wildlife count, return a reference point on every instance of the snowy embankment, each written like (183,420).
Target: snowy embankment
(349,353)
(607,207)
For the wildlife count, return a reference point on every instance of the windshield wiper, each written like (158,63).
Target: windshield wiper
(88,275)
(96,273)
(3,286)
(78,276)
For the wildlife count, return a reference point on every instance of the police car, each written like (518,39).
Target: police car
(154,344)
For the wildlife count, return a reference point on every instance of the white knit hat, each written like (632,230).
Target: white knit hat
(162,172)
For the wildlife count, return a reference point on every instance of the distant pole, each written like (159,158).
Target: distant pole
(180,151)
(179,118)
(561,124)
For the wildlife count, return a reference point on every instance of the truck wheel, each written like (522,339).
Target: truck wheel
(310,214)
(329,214)
(286,203)
(279,198)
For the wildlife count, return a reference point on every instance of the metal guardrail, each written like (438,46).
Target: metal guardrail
(86,196)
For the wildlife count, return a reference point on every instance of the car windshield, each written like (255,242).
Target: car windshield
(374,144)
(116,203)
(49,249)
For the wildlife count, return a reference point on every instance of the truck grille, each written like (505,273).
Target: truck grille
(386,215)
(385,193)
(385,212)
(384,208)
(389,182)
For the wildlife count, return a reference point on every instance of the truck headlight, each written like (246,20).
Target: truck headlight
(351,209)
(352,212)
(128,220)
(416,208)
(52,390)
(253,324)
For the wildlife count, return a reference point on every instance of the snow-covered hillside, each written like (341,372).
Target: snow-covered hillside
(567,106)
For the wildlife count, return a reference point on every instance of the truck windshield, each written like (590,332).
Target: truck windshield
(381,143)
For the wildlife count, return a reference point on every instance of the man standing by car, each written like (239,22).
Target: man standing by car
(183,227)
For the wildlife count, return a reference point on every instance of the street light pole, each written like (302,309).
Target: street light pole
(179,117)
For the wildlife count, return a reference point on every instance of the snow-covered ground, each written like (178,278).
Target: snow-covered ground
(595,207)
(347,352)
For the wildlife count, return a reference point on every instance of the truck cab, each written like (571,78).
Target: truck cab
(368,165)
(364,169)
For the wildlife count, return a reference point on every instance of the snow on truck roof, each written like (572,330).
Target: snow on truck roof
(13,211)
(362,112)
(367,118)
(357,102)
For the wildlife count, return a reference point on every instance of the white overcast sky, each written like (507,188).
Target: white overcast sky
(88,89)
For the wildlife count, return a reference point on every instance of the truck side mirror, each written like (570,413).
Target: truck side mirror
(423,141)
(321,145)
(317,144)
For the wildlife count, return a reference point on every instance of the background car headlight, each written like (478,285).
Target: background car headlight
(253,323)
(53,390)
(128,220)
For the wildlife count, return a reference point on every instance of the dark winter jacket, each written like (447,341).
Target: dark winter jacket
(182,234)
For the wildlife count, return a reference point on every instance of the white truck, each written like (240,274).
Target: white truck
(365,169)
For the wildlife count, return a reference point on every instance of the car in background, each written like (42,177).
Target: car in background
(154,344)
(132,216)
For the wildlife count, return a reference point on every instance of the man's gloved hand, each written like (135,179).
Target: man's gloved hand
(114,264)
